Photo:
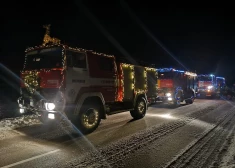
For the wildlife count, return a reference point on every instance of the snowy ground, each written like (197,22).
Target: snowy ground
(18,122)
(197,135)
(8,108)
(10,118)
(228,159)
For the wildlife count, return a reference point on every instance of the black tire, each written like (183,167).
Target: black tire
(88,118)
(177,98)
(140,109)
(177,102)
(190,101)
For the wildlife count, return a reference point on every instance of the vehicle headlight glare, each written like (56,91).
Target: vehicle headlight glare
(209,87)
(168,94)
(50,106)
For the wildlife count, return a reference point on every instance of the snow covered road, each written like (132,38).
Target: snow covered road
(197,135)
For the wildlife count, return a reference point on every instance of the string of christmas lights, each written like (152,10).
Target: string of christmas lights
(175,70)
(66,47)
(146,80)
(121,85)
(190,73)
(155,74)
(31,76)
(63,54)
(31,80)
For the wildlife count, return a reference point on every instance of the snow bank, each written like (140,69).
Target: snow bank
(22,121)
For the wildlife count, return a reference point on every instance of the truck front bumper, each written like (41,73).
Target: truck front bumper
(152,100)
(44,110)
(50,116)
(206,93)
(166,99)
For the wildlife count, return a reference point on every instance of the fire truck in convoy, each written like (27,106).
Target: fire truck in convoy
(81,85)
(210,85)
(206,85)
(220,82)
(176,86)
(220,85)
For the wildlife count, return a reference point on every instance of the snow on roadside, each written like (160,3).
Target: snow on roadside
(22,121)
(228,159)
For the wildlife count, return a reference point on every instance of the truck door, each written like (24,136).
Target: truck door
(77,75)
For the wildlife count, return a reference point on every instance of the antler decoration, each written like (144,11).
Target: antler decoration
(47,38)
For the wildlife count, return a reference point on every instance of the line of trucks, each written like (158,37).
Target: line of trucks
(60,82)
(210,85)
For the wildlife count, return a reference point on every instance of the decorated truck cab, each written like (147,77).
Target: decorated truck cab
(176,86)
(206,85)
(80,85)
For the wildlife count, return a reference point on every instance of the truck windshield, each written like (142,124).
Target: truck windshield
(165,75)
(44,58)
(204,78)
(220,82)
(170,75)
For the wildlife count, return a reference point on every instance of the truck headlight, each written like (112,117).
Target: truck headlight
(170,98)
(168,94)
(22,110)
(50,106)
(210,87)
(51,116)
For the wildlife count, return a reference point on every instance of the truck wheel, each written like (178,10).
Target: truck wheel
(190,101)
(177,102)
(140,109)
(89,118)
(178,98)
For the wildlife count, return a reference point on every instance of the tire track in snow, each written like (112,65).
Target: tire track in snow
(204,151)
(113,154)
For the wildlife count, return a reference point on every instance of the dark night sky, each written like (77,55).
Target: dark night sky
(201,38)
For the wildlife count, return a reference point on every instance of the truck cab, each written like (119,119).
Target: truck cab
(206,85)
(176,86)
(57,77)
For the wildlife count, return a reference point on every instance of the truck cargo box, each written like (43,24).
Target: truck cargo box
(127,82)
(140,79)
(151,85)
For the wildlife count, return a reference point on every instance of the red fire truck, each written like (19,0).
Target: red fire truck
(81,85)
(206,85)
(176,86)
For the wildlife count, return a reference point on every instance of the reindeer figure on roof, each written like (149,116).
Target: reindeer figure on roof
(47,38)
